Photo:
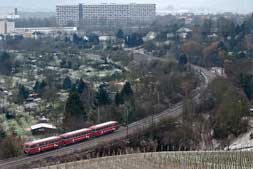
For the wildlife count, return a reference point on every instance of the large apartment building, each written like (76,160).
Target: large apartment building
(68,15)
(7,27)
(105,14)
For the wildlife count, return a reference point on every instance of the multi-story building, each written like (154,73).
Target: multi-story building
(9,13)
(68,15)
(106,14)
(7,27)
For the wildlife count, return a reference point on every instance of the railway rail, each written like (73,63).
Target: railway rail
(173,112)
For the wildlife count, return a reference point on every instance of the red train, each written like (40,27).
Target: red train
(50,143)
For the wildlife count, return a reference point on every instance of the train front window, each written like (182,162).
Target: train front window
(27,147)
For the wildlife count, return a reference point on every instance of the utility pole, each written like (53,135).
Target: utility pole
(126,122)
(98,120)
(156,110)
(153,109)
(158,97)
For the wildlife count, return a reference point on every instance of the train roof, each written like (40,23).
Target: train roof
(103,124)
(75,132)
(43,140)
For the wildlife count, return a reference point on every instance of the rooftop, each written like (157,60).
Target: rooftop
(42,125)
(43,140)
(103,124)
(76,132)
(183,30)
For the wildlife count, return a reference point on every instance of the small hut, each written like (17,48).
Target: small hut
(43,127)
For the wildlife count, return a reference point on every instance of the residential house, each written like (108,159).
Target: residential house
(184,33)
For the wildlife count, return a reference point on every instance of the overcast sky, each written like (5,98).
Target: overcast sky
(241,6)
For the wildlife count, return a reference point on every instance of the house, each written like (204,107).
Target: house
(212,36)
(107,38)
(188,21)
(43,127)
(31,106)
(37,35)
(218,71)
(86,38)
(170,36)
(1,37)
(184,33)
(150,36)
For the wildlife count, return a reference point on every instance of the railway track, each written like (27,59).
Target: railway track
(173,112)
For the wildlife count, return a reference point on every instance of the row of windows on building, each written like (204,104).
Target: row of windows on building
(140,12)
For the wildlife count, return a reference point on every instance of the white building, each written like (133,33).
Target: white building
(9,13)
(184,33)
(7,27)
(46,30)
(105,14)
(68,15)
(121,14)
(150,36)
(29,32)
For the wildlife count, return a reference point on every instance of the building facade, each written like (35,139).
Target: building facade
(47,31)
(7,27)
(68,15)
(9,13)
(106,14)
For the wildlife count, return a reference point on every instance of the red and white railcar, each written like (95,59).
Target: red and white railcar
(42,145)
(38,146)
(76,136)
(104,128)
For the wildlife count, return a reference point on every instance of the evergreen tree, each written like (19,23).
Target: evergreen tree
(81,86)
(127,90)
(74,116)
(183,59)
(133,40)
(76,39)
(120,34)
(67,83)
(23,93)
(6,63)
(102,96)
(246,82)
(119,99)
(93,38)
(39,87)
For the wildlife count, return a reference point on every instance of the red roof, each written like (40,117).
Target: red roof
(43,140)
(75,132)
(103,124)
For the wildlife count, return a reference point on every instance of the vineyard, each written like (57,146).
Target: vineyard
(166,160)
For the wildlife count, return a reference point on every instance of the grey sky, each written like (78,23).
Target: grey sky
(241,6)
